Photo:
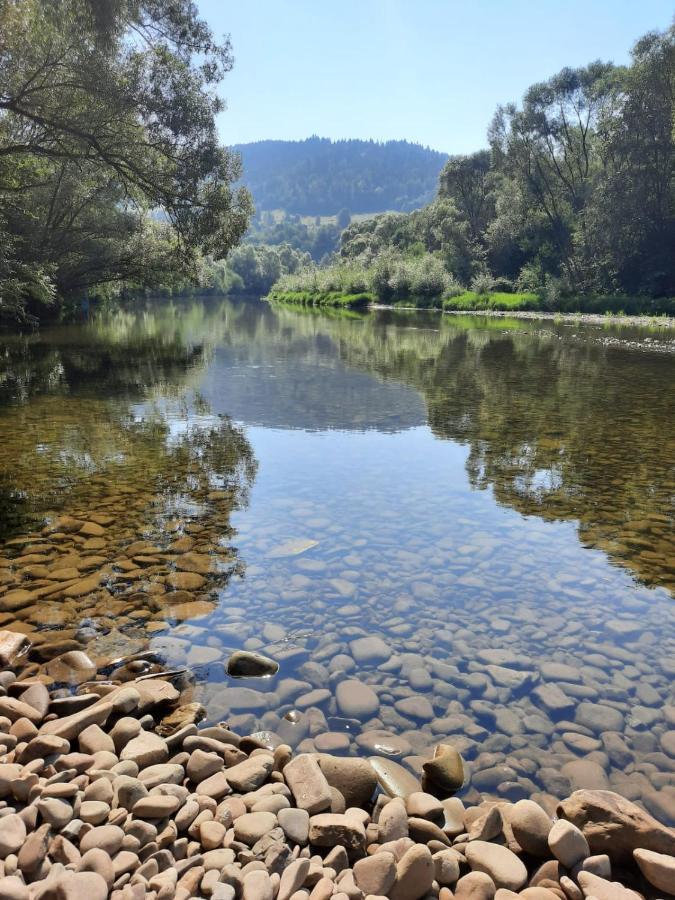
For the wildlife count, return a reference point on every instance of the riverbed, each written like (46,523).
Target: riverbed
(442,527)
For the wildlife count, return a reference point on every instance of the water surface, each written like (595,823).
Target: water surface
(491,499)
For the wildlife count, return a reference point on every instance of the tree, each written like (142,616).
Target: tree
(469,182)
(108,139)
(343,219)
(550,147)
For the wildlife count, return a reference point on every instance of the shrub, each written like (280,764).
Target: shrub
(483,284)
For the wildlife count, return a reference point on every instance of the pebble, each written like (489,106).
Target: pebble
(504,868)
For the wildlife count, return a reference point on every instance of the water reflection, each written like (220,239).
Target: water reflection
(488,502)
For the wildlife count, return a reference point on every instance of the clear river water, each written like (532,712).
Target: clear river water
(443,528)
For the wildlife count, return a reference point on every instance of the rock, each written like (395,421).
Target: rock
(147,749)
(250,827)
(308,784)
(251,774)
(394,779)
(353,777)
(202,765)
(335,829)
(417,707)
(531,827)
(503,866)
(356,700)
(295,823)
(17,599)
(658,869)
(376,874)
(14,710)
(156,806)
(98,861)
(567,843)
(446,866)
(584,774)
(12,644)
(82,886)
(661,804)
(245,664)
(598,718)
(73,667)
(70,726)
(105,837)
(615,826)
(553,699)
(667,741)
(13,888)
(34,850)
(369,650)
(12,835)
(393,821)
(601,889)
(444,774)
(257,886)
(293,878)
(475,886)
(414,874)
(93,739)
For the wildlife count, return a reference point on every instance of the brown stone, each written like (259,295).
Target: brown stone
(615,826)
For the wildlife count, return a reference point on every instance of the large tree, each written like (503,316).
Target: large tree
(110,163)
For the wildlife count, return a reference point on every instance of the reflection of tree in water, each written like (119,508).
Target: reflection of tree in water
(71,436)
(561,428)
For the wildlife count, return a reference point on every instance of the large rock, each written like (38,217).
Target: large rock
(615,826)
(353,777)
(658,869)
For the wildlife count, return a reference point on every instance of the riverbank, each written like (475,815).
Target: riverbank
(111,789)
(593,310)
(323,298)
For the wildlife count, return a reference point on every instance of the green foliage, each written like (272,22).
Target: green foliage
(321,298)
(318,176)
(318,240)
(472,300)
(111,171)
(575,197)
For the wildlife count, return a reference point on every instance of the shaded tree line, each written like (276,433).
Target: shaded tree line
(111,170)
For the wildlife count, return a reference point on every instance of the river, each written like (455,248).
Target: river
(442,528)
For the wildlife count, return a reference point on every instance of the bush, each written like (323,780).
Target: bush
(483,284)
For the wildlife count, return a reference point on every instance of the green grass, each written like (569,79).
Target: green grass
(322,298)
(589,303)
(501,302)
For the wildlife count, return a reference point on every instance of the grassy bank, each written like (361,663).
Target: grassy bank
(322,298)
(470,301)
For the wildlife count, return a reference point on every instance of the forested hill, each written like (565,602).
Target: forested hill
(319,177)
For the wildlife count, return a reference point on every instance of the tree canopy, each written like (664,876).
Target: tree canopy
(110,164)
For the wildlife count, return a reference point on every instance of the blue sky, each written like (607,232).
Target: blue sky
(431,71)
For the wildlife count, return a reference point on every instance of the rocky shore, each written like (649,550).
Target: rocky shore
(115,791)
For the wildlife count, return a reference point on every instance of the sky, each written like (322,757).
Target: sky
(430,71)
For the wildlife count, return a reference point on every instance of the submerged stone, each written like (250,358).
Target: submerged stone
(245,664)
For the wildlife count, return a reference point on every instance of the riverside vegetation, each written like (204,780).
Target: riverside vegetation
(569,209)
(529,633)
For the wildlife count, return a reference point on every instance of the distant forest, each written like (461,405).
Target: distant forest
(320,177)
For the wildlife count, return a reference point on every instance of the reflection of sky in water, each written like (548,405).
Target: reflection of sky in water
(459,488)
